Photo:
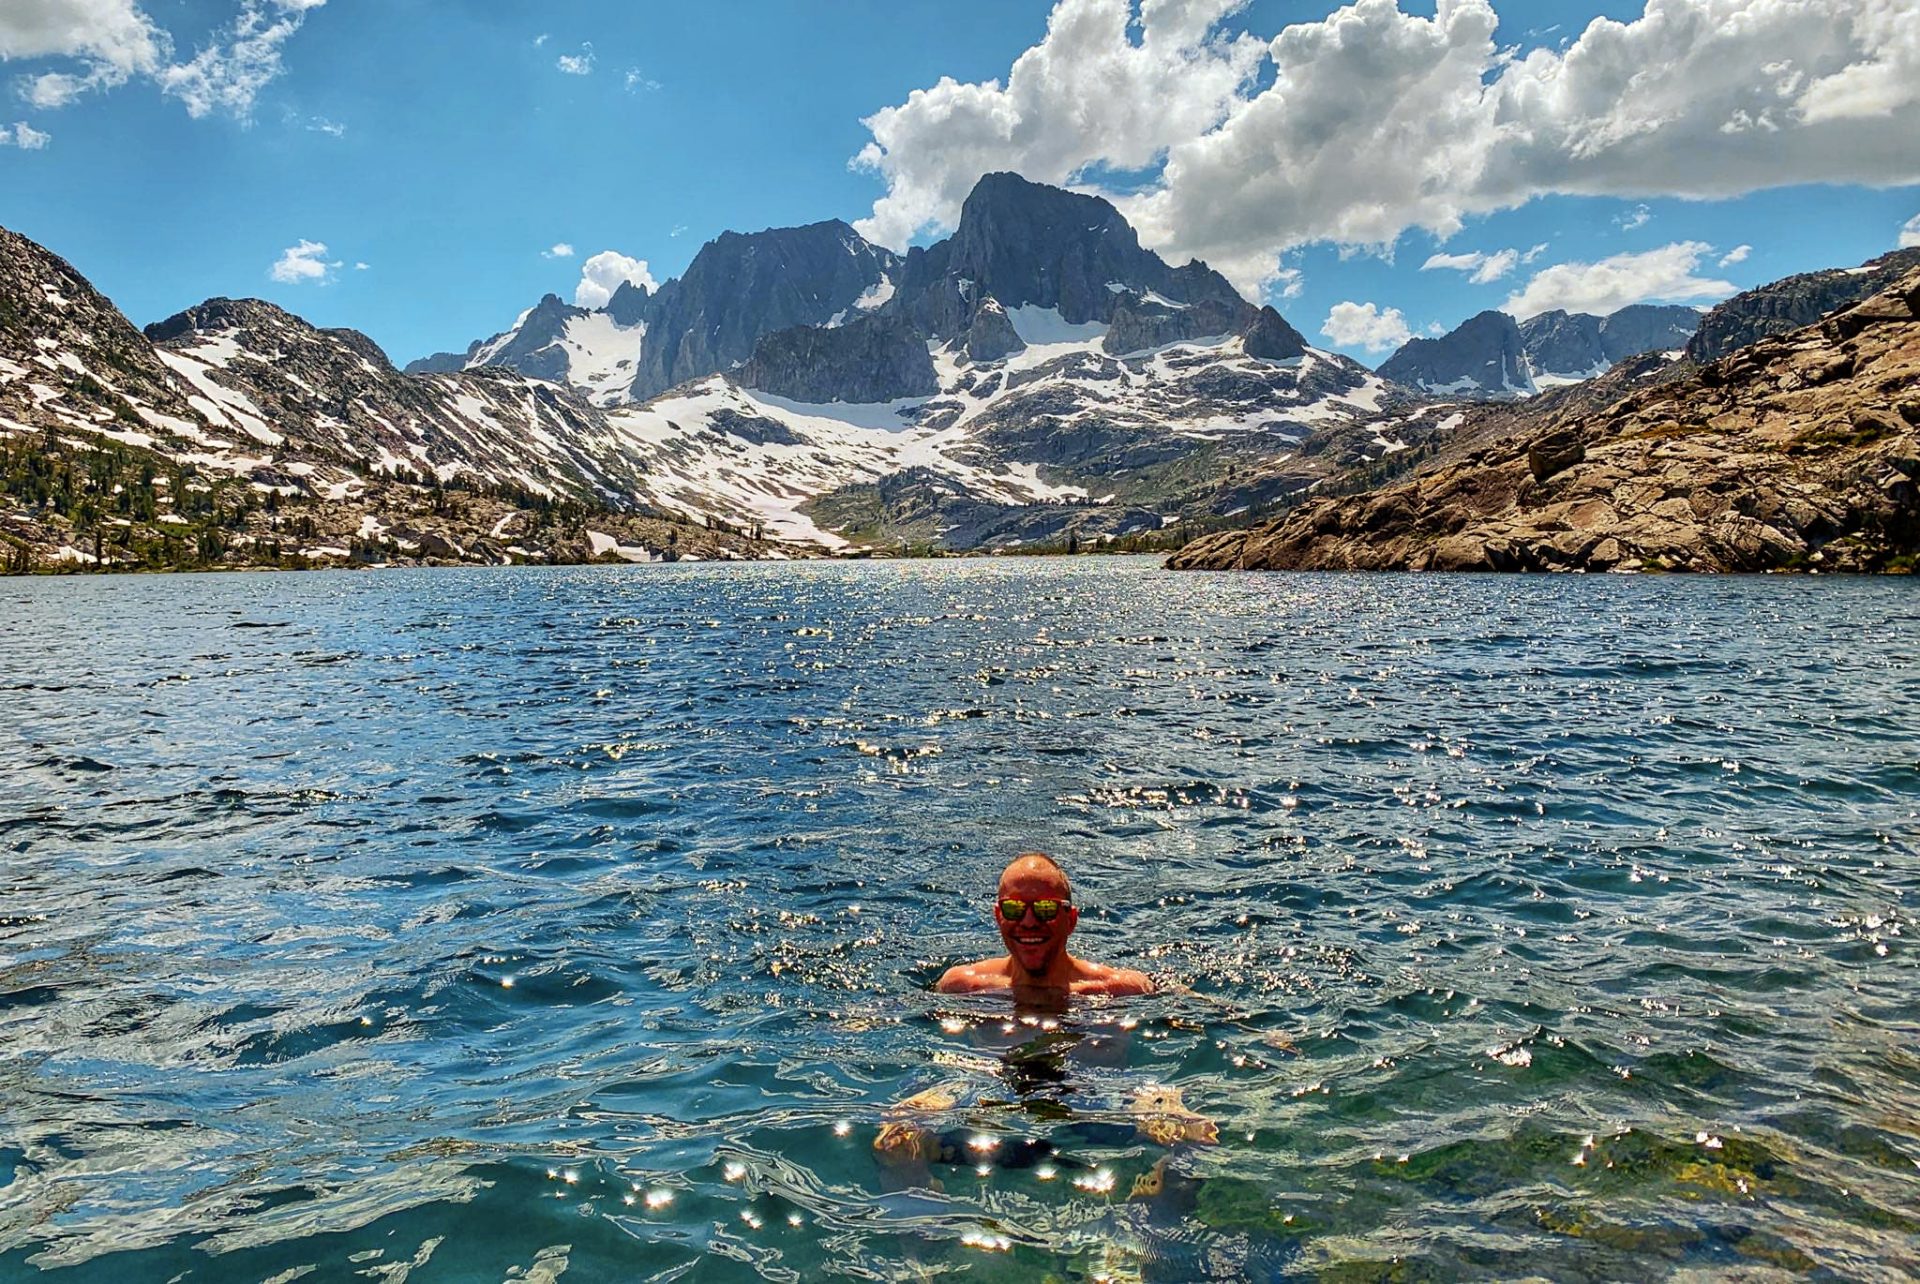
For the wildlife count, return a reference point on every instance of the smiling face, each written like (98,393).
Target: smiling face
(1034,946)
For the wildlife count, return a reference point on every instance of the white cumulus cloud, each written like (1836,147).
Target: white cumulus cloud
(303,263)
(606,272)
(1363,325)
(1372,120)
(113,30)
(1910,233)
(560,251)
(1668,273)
(580,64)
(112,41)
(1088,94)
(1738,254)
(1481,268)
(24,136)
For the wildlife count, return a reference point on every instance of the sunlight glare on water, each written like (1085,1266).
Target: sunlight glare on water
(582,923)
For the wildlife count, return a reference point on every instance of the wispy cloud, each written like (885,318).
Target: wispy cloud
(1738,254)
(1637,217)
(580,64)
(1481,268)
(304,263)
(559,251)
(1363,325)
(24,136)
(113,41)
(637,80)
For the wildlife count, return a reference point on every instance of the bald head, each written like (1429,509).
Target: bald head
(1035,874)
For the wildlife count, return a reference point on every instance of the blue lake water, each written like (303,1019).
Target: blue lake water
(579,924)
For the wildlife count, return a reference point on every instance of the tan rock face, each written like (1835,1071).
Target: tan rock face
(1798,452)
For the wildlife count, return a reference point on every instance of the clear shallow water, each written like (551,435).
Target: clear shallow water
(424,925)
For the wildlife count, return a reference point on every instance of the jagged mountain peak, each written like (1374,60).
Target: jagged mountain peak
(553,305)
(1490,355)
(743,286)
(630,304)
(1031,245)
(1002,195)
(1024,244)
(1482,356)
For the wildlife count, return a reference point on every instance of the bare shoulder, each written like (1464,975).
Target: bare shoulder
(967,978)
(1118,982)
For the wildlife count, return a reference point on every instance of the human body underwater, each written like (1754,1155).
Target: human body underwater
(1035,1099)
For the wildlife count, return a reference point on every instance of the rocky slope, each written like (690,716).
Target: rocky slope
(871,359)
(1793,302)
(240,435)
(1799,451)
(336,411)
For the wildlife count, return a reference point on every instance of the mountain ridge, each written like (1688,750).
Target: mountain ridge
(1799,451)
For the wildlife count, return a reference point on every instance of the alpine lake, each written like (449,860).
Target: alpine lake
(582,925)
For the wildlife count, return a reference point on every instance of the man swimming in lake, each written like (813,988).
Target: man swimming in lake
(1035,913)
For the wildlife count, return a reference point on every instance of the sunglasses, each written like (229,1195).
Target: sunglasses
(1013,909)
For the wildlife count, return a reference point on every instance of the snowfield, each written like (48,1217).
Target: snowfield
(712,448)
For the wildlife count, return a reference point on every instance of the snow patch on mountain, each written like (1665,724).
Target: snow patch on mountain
(601,356)
(221,405)
(876,296)
(1044,327)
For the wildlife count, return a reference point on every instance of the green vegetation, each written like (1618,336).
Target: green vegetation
(129,508)
(1864,433)
(112,498)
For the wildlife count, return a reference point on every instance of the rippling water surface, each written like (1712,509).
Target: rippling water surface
(532,924)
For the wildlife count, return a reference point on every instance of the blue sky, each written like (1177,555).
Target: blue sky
(180,149)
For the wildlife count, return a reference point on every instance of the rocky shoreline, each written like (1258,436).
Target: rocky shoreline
(1798,452)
